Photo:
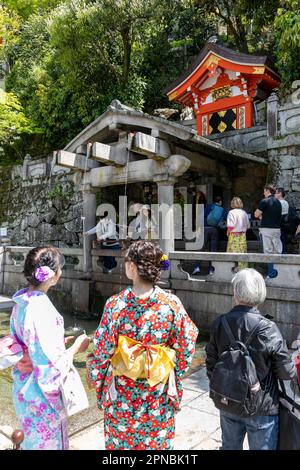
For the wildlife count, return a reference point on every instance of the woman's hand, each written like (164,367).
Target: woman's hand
(81,343)
(69,339)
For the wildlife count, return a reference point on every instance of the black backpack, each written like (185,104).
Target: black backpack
(290,221)
(234,385)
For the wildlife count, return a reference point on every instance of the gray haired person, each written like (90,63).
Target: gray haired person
(270,355)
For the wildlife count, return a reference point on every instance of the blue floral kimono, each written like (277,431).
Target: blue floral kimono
(37,398)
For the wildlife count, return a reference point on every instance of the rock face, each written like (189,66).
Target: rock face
(40,205)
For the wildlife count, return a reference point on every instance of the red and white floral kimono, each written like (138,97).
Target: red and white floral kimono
(136,415)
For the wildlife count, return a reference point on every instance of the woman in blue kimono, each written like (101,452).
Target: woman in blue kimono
(37,379)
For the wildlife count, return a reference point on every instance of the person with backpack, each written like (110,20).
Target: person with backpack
(214,215)
(246,355)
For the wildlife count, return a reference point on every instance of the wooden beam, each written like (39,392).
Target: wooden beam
(151,146)
(75,161)
(109,155)
(137,171)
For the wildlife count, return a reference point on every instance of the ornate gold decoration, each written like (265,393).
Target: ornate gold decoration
(222,126)
(220,93)
(258,70)
(212,60)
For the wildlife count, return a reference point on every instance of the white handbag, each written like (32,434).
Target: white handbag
(11,352)
(73,393)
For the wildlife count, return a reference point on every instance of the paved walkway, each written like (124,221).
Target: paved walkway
(197,424)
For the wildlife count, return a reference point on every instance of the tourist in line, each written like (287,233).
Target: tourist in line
(269,353)
(142,347)
(269,213)
(142,227)
(108,237)
(237,226)
(214,216)
(280,195)
(135,223)
(37,326)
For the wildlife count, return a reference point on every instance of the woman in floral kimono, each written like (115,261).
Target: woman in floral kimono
(37,378)
(142,347)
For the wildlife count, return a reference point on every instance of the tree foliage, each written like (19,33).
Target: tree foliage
(13,125)
(68,59)
(287,26)
(248,21)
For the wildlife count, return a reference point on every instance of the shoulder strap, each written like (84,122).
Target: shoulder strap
(230,334)
(227,328)
(252,333)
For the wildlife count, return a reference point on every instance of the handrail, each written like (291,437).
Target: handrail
(234,257)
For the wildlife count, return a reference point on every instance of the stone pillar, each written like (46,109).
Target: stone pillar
(89,221)
(272,115)
(165,196)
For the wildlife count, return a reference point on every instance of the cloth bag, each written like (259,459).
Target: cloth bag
(289,421)
(11,351)
(73,393)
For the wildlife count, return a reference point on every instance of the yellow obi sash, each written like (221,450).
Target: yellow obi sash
(137,360)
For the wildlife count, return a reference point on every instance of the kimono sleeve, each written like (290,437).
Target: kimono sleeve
(183,339)
(44,338)
(105,344)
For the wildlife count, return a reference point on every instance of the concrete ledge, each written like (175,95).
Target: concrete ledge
(6,303)
(228,257)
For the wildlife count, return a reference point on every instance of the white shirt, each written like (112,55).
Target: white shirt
(285,206)
(238,219)
(104,229)
(139,226)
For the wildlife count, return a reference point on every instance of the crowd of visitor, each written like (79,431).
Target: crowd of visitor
(145,343)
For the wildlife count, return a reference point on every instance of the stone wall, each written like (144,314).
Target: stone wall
(41,203)
(249,180)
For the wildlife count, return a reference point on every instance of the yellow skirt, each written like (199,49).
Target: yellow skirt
(237,243)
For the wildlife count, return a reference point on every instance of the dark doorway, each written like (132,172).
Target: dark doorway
(217,191)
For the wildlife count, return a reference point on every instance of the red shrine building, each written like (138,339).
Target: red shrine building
(222,87)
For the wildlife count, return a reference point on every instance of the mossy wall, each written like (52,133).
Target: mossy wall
(39,206)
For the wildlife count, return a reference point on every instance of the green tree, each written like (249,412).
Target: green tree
(25,8)
(287,24)
(69,62)
(249,22)
(183,29)
(13,124)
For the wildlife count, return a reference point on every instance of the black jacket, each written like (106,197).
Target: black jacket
(268,351)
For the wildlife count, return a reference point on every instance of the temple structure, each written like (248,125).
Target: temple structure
(127,148)
(223,86)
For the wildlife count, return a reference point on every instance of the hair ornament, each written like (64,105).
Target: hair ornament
(164,263)
(43,273)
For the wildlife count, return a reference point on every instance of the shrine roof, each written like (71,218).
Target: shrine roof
(118,118)
(237,58)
